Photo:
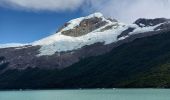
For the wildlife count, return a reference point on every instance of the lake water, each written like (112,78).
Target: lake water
(110,94)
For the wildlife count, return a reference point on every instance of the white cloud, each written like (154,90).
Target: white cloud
(124,10)
(130,10)
(52,5)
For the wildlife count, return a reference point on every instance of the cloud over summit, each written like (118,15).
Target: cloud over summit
(124,10)
(130,10)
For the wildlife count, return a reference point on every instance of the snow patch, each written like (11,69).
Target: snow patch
(11,45)
(144,29)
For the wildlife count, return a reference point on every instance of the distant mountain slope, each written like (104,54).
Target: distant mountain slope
(78,39)
(141,63)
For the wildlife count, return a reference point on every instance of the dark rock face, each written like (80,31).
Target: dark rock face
(27,57)
(20,58)
(149,22)
(3,63)
(86,26)
(126,32)
(164,26)
(109,27)
(112,20)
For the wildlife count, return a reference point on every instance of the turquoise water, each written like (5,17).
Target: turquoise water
(112,94)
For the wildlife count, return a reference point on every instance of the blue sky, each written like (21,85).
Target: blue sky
(24,21)
(26,26)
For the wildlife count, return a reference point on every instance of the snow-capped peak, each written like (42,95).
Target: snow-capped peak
(76,22)
(106,32)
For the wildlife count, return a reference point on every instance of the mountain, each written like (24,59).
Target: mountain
(91,52)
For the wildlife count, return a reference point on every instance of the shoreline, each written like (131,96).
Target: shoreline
(84,89)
